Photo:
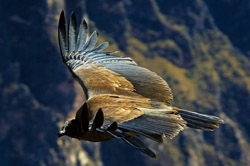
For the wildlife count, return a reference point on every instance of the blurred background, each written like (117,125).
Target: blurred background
(201,47)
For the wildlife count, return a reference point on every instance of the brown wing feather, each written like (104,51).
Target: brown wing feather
(145,82)
(100,80)
(120,114)
(118,108)
(104,100)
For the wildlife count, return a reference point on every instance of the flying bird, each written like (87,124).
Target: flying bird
(123,100)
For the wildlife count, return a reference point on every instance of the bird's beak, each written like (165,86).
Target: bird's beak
(61,133)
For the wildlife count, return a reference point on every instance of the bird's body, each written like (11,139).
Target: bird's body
(123,100)
(95,136)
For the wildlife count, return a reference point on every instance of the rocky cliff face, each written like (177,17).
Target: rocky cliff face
(191,44)
(233,20)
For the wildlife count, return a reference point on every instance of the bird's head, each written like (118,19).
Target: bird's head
(71,129)
(79,126)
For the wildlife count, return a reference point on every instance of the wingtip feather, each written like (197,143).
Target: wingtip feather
(62,34)
(72,29)
(85,25)
(82,35)
(91,42)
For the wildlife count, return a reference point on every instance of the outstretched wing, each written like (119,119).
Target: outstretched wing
(141,115)
(145,82)
(99,72)
(85,61)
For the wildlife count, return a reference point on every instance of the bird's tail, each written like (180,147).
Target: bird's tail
(200,121)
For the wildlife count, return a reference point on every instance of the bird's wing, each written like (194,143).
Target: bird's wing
(141,115)
(99,72)
(84,61)
(145,82)
(117,108)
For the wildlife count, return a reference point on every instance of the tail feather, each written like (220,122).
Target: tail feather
(200,121)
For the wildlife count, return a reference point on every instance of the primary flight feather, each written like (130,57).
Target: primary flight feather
(123,100)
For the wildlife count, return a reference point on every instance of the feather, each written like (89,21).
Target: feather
(103,58)
(148,152)
(200,121)
(156,122)
(91,42)
(134,141)
(82,36)
(142,78)
(62,35)
(101,47)
(72,29)
(153,136)
(109,52)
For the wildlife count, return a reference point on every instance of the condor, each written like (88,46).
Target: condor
(123,100)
